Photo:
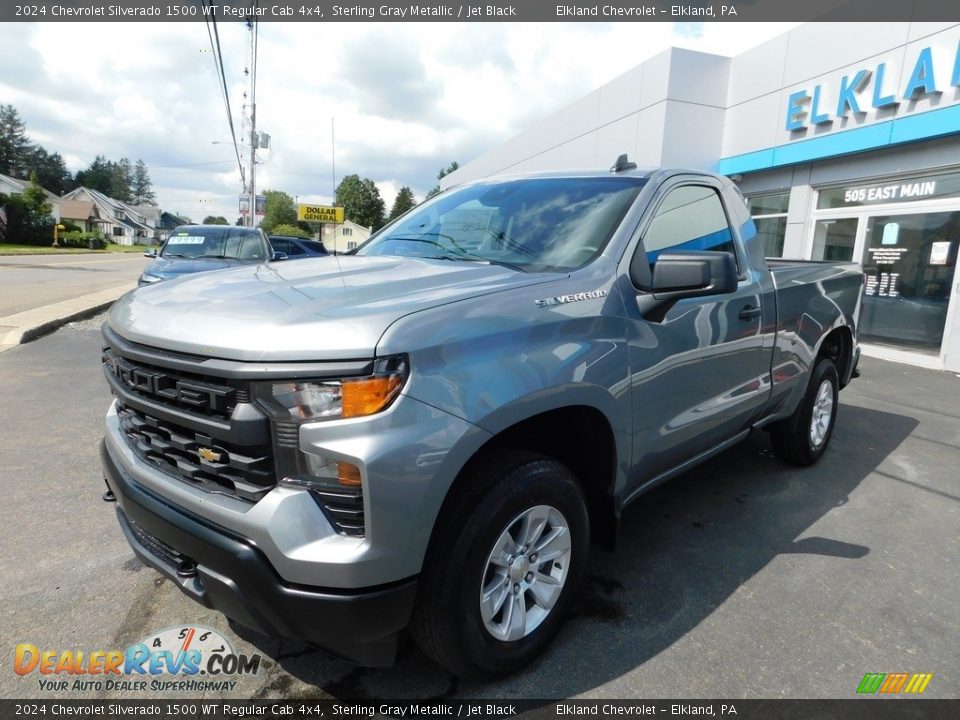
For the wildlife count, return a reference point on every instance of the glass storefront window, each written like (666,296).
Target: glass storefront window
(771,231)
(769,214)
(770,204)
(834,239)
(895,191)
(909,264)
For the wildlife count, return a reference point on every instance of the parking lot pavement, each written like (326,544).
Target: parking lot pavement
(32,281)
(743,578)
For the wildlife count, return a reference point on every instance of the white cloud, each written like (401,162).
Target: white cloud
(407,98)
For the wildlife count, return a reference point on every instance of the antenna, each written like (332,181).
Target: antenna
(623,163)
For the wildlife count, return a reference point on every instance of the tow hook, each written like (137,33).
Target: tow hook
(108,496)
(187,568)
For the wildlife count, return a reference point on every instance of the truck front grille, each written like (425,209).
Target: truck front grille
(211,397)
(155,546)
(215,466)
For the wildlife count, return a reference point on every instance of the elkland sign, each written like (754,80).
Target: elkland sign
(871,88)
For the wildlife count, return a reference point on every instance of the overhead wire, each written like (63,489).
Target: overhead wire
(214,37)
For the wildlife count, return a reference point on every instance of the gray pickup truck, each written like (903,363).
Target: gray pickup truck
(428,432)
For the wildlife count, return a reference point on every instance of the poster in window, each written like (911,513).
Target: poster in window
(939,253)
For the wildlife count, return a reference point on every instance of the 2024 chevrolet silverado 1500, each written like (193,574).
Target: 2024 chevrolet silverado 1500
(429,431)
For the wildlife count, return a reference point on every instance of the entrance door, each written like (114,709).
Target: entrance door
(909,261)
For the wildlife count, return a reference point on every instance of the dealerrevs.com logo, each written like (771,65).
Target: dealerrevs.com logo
(189,659)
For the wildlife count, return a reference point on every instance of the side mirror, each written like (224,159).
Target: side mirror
(689,273)
(150,254)
(279,256)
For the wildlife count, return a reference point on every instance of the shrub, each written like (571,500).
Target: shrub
(89,240)
(290,231)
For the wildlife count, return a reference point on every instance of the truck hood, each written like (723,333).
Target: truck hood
(168,268)
(328,308)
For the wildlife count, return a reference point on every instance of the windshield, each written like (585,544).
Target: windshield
(214,243)
(531,224)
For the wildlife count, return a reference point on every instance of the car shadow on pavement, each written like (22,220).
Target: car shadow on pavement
(684,549)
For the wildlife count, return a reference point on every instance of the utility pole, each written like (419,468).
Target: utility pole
(252,24)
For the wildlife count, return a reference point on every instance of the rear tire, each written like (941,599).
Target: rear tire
(804,437)
(505,561)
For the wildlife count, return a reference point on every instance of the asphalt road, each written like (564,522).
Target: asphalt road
(745,578)
(30,281)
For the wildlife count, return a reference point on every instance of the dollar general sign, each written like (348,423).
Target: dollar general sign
(320,213)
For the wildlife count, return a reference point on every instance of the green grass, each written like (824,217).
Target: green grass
(13,249)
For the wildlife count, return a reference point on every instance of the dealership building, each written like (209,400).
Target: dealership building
(845,139)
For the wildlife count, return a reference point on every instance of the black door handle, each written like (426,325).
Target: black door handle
(749,313)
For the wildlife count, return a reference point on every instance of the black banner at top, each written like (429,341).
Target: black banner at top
(480,11)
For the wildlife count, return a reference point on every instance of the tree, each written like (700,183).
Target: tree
(51,170)
(28,216)
(142,189)
(403,202)
(98,176)
(441,175)
(361,201)
(121,180)
(279,210)
(290,230)
(14,145)
(215,220)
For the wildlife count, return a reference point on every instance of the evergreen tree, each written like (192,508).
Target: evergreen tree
(14,145)
(51,170)
(403,202)
(142,189)
(441,175)
(121,180)
(98,176)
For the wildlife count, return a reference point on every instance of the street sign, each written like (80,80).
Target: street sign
(320,213)
(245,204)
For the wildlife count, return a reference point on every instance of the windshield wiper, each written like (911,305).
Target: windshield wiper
(170,255)
(457,254)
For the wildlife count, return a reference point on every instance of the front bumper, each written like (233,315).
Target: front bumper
(229,573)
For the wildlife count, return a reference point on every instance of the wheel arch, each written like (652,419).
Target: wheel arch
(580,436)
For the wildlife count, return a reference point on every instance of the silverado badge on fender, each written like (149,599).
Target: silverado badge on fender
(573,297)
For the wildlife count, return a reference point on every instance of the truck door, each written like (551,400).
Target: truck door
(699,372)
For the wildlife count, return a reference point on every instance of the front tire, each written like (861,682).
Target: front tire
(802,439)
(506,559)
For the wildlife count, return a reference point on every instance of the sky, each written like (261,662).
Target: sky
(403,99)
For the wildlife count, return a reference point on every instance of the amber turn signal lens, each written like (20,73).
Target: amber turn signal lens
(369,395)
(348,474)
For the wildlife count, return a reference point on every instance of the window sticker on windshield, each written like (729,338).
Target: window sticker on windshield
(185,240)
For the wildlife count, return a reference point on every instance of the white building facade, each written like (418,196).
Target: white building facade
(845,138)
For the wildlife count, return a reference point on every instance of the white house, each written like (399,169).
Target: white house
(121,222)
(343,237)
(13,186)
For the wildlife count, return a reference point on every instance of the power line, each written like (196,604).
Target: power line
(218,66)
(189,165)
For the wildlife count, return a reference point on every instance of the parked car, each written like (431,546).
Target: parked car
(296,247)
(199,248)
(430,431)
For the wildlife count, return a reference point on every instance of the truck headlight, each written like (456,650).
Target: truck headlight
(315,400)
(295,402)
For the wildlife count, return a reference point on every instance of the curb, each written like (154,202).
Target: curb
(31,324)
